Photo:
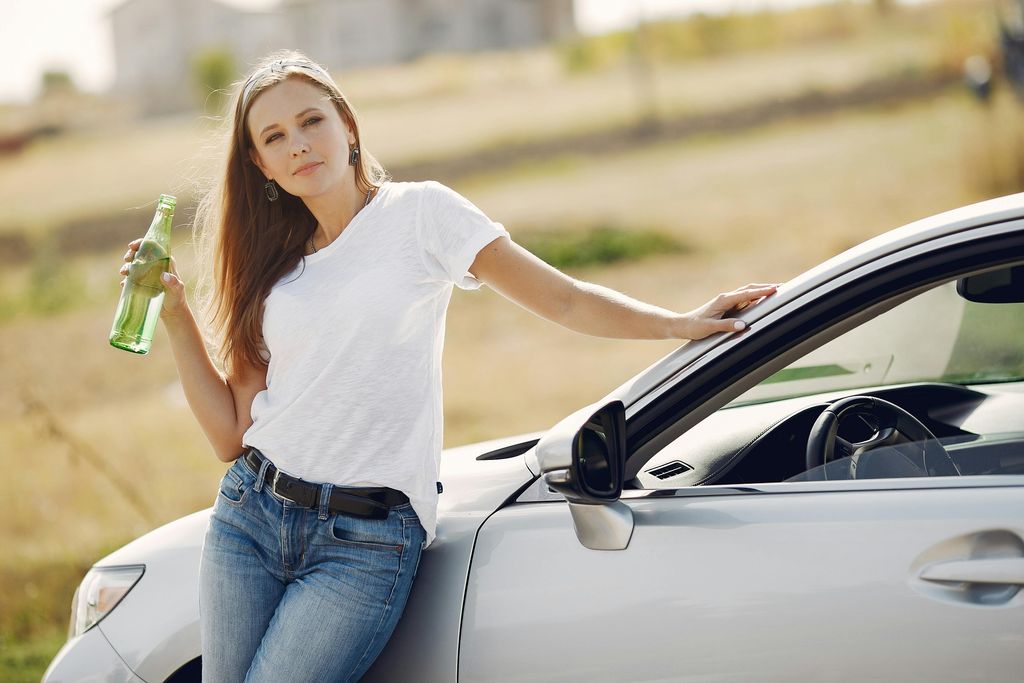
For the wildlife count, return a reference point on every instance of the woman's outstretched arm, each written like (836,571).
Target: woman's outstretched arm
(591,309)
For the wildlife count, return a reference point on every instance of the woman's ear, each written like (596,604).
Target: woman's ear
(255,157)
(349,128)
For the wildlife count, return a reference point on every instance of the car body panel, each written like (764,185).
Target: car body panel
(89,657)
(425,645)
(749,586)
(156,647)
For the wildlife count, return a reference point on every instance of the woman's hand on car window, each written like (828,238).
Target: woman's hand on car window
(709,318)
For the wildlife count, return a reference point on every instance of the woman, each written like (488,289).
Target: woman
(331,287)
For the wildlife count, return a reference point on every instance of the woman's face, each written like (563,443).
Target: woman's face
(299,139)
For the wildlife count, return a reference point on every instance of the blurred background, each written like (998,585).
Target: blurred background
(670,149)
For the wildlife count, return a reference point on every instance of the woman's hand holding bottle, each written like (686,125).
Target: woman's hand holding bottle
(175,304)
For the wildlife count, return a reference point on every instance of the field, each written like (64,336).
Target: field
(100,445)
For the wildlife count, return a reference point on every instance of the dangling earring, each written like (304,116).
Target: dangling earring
(353,157)
(271,189)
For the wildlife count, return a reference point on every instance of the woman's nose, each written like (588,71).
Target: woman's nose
(299,146)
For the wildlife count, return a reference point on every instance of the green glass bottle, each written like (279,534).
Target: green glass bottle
(143,292)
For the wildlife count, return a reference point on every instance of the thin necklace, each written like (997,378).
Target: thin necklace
(365,203)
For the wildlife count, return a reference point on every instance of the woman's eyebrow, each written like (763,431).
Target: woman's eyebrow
(306,111)
(298,116)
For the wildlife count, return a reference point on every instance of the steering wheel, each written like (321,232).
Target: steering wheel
(891,425)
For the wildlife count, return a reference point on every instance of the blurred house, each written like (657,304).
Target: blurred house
(155,41)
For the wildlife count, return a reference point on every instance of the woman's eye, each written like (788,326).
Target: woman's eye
(312,120)
(272,137)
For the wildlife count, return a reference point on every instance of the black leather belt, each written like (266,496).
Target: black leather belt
(369,502)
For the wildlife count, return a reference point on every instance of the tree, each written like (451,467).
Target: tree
(55,81)
(213,70)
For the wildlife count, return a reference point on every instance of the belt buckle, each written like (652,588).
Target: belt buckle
(273,484)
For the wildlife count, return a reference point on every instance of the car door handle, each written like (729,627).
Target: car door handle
(1008,570)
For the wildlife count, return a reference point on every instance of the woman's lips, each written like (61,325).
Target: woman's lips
(306,169)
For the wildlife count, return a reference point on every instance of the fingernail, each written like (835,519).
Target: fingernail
(739,325)
(166,277)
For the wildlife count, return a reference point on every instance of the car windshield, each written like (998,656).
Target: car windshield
(937,336)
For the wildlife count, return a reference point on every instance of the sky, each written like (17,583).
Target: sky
(74,35)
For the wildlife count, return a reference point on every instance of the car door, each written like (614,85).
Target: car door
(887,579)
(819,581)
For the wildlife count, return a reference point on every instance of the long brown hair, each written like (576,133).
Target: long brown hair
(255,242)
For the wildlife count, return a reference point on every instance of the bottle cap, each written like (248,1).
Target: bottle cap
(168,200)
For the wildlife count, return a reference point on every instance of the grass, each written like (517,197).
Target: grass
(40,597)
(49,284)
(24,661)
(601,245)
(956,28)
(762,206)
(34,612)
(808,189)
(710,35)
(70,179)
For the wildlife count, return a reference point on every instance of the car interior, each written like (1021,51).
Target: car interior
(932,387)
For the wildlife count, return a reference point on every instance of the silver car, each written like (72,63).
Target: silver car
(835,493)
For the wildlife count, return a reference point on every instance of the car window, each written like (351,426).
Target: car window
(954,365)
(935,337)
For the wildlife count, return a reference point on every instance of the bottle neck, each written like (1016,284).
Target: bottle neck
(160,228)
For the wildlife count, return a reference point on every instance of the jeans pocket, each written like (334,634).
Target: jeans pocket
(232,488)
(408,514)
(371,534)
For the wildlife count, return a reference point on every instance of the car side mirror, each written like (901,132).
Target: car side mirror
(1003,286)
(583,457)
(598,458)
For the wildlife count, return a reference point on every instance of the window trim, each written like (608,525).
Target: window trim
(986,481)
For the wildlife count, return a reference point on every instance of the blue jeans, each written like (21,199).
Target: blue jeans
(295,594)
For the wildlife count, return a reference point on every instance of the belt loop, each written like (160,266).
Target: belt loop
(261,477)
(325,499)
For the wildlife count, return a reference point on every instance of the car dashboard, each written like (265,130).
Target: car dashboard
(980,426)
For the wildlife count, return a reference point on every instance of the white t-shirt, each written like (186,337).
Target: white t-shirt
(355,336)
